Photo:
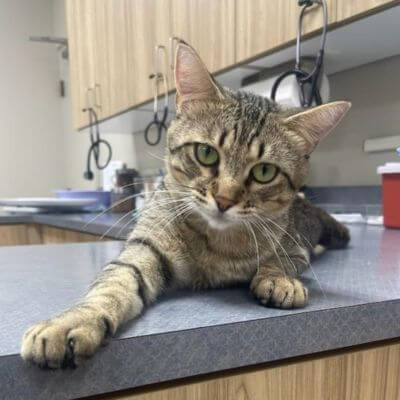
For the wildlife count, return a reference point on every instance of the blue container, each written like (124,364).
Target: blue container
(103,198)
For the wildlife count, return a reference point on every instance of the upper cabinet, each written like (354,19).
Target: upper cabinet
(112,42)
(262,26)
(209,26)
(149,25)
(348,9)
(82,57)
(97,32)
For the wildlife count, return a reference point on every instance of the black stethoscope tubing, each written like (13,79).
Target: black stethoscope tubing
(303,78)
(95,143)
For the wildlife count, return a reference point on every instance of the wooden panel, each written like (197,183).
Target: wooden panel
(55,235)
(207,25)
(24,234)
(148,25)
(111,65)
(263,25)
(362,374)
(13,235)
(82,57)
(347,9)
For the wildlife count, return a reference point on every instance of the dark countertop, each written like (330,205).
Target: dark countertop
(116,226)
(356,301)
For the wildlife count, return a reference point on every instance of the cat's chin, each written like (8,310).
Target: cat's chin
(218,221)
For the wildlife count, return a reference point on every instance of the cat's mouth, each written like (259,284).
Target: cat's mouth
(217,219)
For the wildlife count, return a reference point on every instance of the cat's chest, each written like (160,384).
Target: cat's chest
(220,262)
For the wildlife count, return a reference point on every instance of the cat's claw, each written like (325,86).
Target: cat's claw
(61,342)
(279,292)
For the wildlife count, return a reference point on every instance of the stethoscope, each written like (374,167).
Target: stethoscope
(159,116)
(95,143)
(307,81)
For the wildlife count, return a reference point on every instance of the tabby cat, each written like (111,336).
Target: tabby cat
(228,212)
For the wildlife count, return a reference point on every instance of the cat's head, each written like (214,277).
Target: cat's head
(238,155)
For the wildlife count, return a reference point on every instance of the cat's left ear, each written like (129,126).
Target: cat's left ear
(316,123)
(192,79)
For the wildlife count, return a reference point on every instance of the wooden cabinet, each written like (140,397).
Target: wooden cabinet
(348,9)
(112,47)
(25,234)
(262,26)
(209,26)
(111,92)
(82,57)
(149,25)
(362,373)
(112,42)
(98,42)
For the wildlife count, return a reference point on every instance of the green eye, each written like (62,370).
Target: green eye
(206,155)
(264,173)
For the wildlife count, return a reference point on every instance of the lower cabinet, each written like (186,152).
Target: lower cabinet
(24,234)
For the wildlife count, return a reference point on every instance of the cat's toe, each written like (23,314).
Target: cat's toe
(54,344)
(280,292)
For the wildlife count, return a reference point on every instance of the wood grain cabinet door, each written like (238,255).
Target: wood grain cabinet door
(81,42)
(207,25)
(265,25)
(348,9)
(111,92)
(148,25)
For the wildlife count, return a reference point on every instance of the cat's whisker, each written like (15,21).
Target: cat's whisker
(166,219)
(113,225)
(126,199)
(268,236)
(251,230)
(307,261)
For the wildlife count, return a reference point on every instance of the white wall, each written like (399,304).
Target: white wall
(32,145)
(374,90)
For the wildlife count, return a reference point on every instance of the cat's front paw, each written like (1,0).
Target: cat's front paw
(61,342)
(279,292)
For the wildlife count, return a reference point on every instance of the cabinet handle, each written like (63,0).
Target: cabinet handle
(161,68)
(97,96)
(173,41)
(89,97)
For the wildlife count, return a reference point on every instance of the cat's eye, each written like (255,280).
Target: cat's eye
(206,155)
(264,173)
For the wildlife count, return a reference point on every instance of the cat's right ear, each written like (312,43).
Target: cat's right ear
(192,79)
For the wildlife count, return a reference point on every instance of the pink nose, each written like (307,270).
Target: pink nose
(223,203)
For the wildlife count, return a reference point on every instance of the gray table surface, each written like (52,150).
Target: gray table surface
(355,299)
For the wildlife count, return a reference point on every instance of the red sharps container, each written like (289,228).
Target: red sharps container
(391,194)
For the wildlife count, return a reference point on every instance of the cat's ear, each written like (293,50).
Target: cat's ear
(316,123)
(192,79)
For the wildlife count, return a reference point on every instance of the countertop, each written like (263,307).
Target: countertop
(115,226)
(355,301)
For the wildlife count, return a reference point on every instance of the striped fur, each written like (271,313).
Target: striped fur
(183,240)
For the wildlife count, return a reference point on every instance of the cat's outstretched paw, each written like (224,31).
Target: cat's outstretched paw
(61,342)
(279,292)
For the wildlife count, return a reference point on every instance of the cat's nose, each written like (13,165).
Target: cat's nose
(223,203)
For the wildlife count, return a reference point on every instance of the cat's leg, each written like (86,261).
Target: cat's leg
(120,293)
(271,286)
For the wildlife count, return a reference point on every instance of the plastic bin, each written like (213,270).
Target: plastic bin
(391,194)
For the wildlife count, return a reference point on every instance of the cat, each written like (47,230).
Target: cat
(228,212)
